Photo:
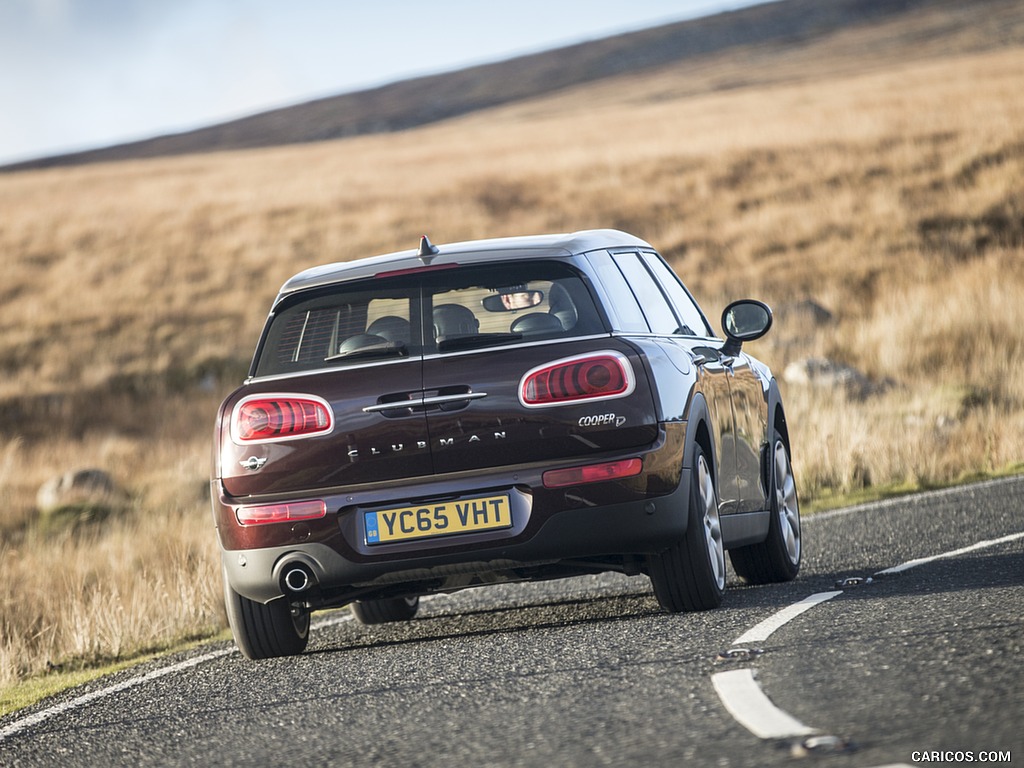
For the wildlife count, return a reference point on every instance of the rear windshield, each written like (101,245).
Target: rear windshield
(443,311)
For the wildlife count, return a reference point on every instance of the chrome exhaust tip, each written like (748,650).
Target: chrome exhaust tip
(298,578)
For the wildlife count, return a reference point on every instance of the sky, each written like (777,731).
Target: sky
(82,74)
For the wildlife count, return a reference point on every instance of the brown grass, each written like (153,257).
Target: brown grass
(133,294)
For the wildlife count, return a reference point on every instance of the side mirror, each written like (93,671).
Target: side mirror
(744,320)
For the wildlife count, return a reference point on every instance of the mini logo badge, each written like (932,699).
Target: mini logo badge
(253,463)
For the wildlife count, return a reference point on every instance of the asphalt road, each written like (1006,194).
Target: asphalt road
(917,666)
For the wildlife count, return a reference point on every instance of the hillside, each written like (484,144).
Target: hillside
(765,40)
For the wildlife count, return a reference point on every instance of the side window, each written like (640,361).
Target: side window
(694,323)
(655,306)
(630,317)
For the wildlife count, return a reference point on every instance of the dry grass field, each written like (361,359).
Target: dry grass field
(133,293)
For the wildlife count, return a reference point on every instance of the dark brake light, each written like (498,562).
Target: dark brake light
(281,513)
(592,473)
(594,376)
(414,271)
(263,418)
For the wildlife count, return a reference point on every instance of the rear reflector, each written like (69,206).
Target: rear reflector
(593,473)
(264,418)
(281,513)
(595,376)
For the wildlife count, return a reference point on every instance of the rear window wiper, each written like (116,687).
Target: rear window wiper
(476,340)
(387,349)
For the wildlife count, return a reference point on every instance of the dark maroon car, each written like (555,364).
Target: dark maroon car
(499,410)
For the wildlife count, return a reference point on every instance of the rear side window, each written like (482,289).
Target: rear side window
(628,313)
(656,308)
(694,322)
(418,313)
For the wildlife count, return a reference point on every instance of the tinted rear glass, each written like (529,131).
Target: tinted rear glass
(428,312)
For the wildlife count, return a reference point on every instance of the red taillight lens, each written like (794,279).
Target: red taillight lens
(595,376)
(281,513)
(593,473)
(280,417)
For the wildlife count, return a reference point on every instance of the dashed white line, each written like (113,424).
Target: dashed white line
(750,707)
(761,632)
(739,691)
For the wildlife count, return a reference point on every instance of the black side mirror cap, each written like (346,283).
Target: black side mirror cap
(744,320)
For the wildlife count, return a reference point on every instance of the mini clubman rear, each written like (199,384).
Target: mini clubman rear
(463,415)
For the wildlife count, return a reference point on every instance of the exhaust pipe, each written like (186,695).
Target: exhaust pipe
(297,578)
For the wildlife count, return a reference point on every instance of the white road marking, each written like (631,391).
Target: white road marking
(81,701)
(954,553)
(762,631)
(900,500)
(746,702)
(44,715)
(739,691)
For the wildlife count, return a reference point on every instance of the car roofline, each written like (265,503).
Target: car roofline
(467,252)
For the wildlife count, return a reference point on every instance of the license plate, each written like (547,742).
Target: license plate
(420,521)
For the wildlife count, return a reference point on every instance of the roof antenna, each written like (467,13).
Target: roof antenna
(427,250)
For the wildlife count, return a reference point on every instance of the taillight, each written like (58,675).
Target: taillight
(595,376)
(264,418)
(592,473)
(281,513)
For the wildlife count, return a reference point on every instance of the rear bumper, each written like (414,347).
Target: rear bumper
(631,528)
(628,517)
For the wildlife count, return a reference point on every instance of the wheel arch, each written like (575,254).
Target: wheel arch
(699,431)
(776,422)
(777,415)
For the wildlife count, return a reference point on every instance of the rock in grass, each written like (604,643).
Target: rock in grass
(78,498)
(828,374)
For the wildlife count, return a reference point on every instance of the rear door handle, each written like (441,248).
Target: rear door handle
(439,399)
(423,401)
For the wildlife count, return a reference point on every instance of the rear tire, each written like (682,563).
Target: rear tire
(690,575)
(777,558)
(266,631)
(386,610)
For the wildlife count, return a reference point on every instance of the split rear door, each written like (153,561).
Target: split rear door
(357,348)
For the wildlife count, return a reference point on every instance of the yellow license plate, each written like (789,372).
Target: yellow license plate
(419,521)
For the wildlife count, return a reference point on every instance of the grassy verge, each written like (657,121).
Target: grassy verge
(34,689)
(833,499)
